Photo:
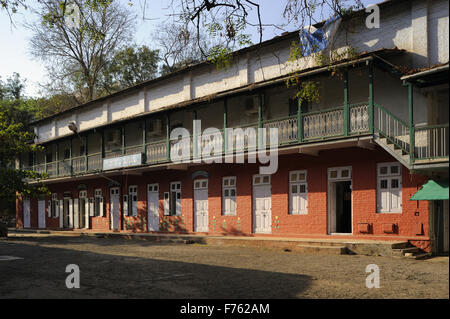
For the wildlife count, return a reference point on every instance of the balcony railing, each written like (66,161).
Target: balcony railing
(430,141)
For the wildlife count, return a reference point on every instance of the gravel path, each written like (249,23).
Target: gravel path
(119,268)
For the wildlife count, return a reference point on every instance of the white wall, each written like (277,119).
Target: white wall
(418,26)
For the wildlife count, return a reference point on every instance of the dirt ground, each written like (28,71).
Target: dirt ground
(120,268)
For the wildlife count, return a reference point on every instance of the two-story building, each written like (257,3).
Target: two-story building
(346,165)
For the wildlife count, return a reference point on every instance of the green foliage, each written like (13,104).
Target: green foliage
(130,66)
(221,56)
(15,137)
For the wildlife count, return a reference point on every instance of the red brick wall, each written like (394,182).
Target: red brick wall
(314,223)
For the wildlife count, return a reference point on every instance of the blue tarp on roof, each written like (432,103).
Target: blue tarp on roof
(315,40)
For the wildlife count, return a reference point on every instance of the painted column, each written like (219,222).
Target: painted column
(225,125)
(299,121)
(70,158)
(57,159)
(346,105)
(86,168)
(371,102)
(122,129)
(194,136)
(168,136)
(144,141)
(260,119)
(412,130)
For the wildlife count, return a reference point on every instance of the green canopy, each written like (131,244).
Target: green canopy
(432,190)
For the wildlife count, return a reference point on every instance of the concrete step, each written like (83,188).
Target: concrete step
(403,251)
(417,256)
(321,250)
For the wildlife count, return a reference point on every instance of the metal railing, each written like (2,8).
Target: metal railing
(392,128)
(287,129)
(79,165)
(431,142)
(323,124)
(156,151)
(359,118)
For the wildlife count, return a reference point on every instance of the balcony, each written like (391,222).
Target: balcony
(430,142)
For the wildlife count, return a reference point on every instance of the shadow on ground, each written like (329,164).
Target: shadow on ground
(41,274)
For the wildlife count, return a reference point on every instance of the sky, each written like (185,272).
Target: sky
(14,48)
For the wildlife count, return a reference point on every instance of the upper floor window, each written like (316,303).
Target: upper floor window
(389,188)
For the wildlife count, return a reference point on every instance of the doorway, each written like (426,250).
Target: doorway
(114,208)
(440,227)
(41,214)
(67,213)
(153,207)
(84,210)
(26,213)
(201,205)
(262,204)
(340,200)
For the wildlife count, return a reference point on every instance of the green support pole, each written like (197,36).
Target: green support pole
(346,105)
(45,159)
(144,141)
(371,104)
(194,136)
(168,136)
(103,144)
(57,159)
(299,122)
(123,140)
(260,119)
(225,124)
(412,130)
(70,158)
(86,168)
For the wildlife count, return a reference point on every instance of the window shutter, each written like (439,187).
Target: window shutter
(86,213)
(125,205)
(166,204)
(70,213)
(134,204)
(76,209)
(91,207)
(49,208)
(59,212)
(101,206)
(178,203)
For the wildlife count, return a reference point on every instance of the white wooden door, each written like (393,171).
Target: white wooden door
(76,213)
(153,207)
(201,206)
(114,204)
(262,205)
(41,214)
(26,213)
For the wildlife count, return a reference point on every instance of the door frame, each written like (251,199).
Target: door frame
(42,215)
(111,213)
(148,205)
(29,213)
(331,200)
(268,184)
(201,187)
